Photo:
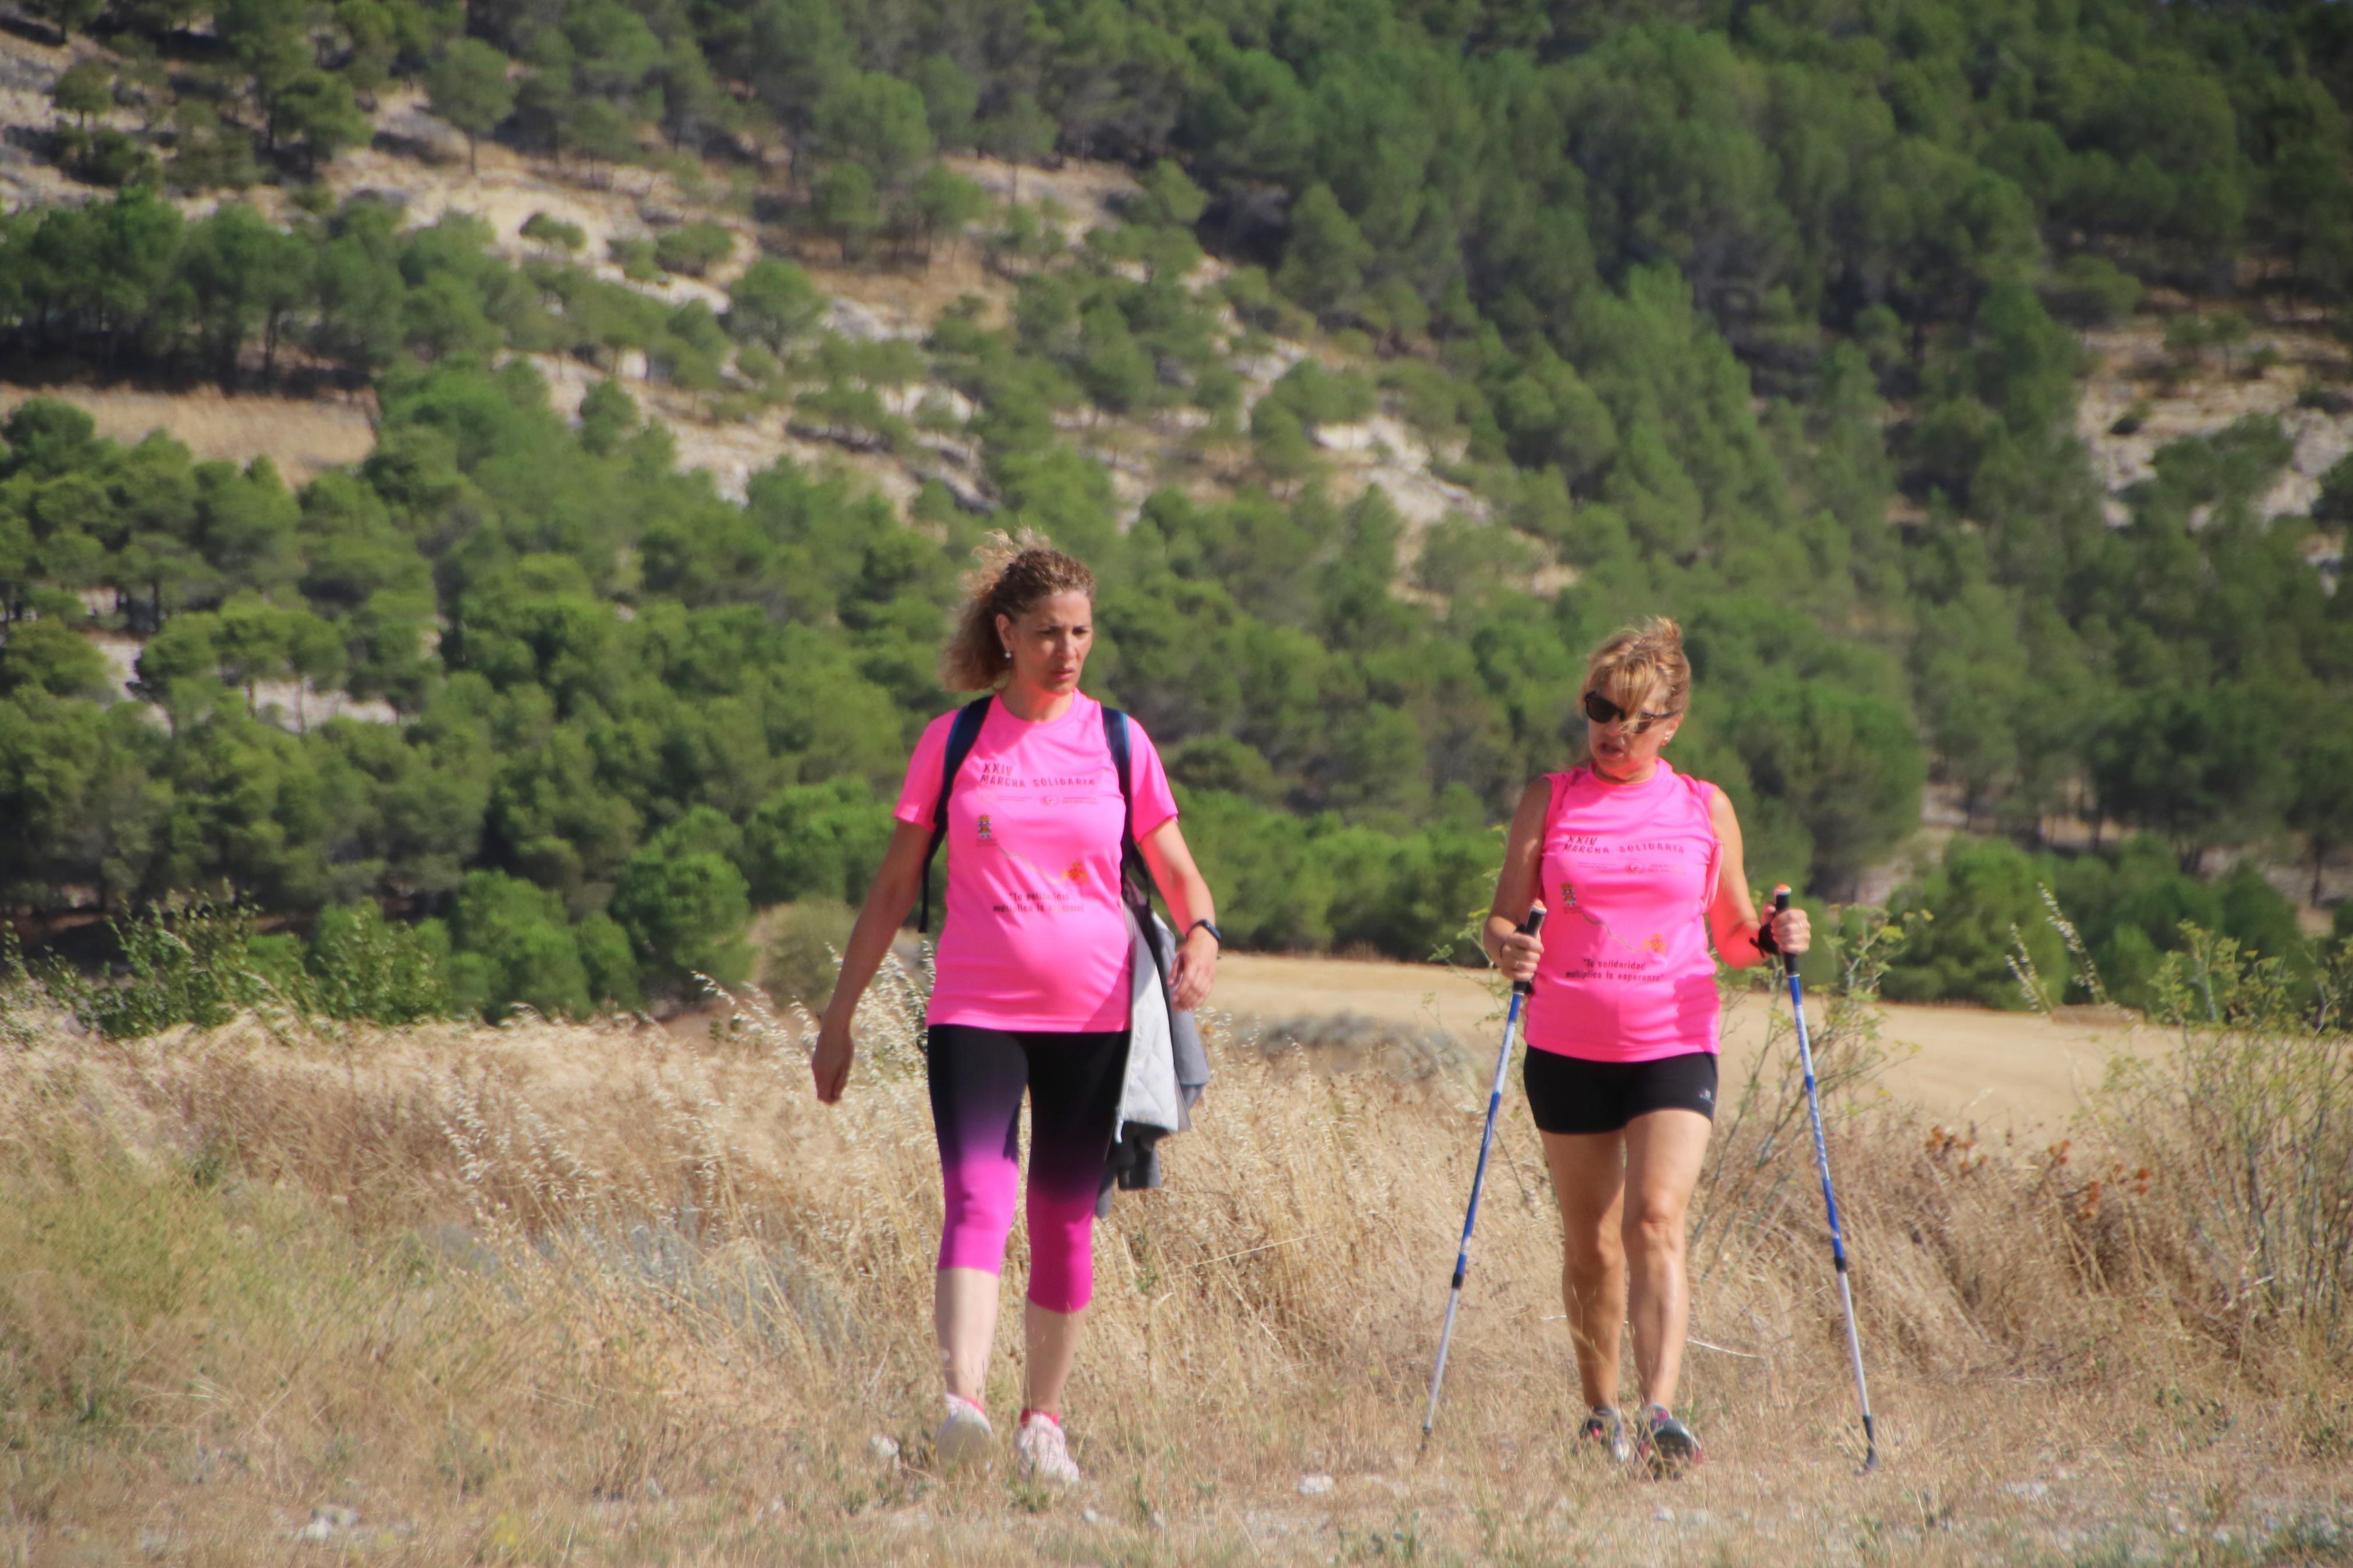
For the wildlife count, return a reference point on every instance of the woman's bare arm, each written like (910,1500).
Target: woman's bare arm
(879,920)
(1732,919)
(1518,887)
(1186,893)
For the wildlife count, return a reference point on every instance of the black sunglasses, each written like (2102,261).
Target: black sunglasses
(1601,710)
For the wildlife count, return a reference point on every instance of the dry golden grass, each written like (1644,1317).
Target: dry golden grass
(581,1295)
(304,437)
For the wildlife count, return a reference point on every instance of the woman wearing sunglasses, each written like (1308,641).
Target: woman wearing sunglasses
(1640,867)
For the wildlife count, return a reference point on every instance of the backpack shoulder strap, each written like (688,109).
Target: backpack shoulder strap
(1131,858)
(963,733)
(1114,724)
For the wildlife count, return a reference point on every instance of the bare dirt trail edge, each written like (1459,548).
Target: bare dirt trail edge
(1958,1064)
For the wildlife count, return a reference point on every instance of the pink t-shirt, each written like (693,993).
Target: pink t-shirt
(1629,872)
(1034,935)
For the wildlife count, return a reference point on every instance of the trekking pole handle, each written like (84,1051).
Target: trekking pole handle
(1529,927)
(1781,906)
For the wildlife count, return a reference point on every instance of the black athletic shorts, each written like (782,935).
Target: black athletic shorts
(1569,1094)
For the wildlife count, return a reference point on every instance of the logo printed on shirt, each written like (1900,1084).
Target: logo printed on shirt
(1654,946)
(985,837)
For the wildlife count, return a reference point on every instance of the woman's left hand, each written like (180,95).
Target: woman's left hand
(1791,931)
(1197,970)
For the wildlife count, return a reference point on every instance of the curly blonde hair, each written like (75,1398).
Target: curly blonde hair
(1641,669)
(1014,574)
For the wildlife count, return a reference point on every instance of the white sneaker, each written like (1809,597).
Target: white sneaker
(1042,1453)
(966,1438)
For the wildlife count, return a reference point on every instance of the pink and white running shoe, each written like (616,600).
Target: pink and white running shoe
(1042,1452)
(966,1438)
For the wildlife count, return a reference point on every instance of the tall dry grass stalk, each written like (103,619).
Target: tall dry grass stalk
(553,1294)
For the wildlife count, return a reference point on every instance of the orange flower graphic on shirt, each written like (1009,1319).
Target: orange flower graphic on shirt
(1077,873)
(1655,944)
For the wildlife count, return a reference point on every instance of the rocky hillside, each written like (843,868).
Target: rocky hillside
(1996,521)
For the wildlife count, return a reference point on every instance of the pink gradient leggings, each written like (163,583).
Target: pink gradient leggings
(978,1076)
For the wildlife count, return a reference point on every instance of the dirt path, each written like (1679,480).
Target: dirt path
(1960,1064)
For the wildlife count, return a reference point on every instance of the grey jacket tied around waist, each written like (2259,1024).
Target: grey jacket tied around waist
(1166,1068)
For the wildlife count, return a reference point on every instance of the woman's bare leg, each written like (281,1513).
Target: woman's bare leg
(963,1314)
(1663,1151)
(1053,1341)
(1589,1175)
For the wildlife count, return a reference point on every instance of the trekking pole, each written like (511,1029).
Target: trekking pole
(1829,1203)
(1520,989)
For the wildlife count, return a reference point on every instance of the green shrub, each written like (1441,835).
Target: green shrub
(512,946)
(635,257)
(2091,291)
(816,842)
(183,964)
(772,303)
(1289,884)
(695,248)
(685,915)
(362,966)
(2129,909)
(544,228)
(611,966)
(1982,892)
(107,157)
(1463,555)
(1314,395)
(805,949)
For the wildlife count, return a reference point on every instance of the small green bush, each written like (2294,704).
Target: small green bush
(805,949)
(362,966)
(2091,291)
(1462,555)
(685,914)
(635,257)
(183,963)
(544,228)
(695,248)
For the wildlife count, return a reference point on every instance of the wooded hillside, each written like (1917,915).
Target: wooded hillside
(1766,316)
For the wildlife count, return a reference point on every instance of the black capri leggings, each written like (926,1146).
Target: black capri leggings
(978,1076)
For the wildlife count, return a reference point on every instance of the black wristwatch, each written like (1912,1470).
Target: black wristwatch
(1209,926)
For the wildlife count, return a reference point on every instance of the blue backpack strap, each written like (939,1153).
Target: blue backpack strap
(962,736)
(1134,887)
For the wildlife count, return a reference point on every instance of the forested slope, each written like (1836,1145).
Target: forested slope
(1765,316)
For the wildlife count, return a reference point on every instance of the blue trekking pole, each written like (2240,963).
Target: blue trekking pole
(1823,1161)
(1520,989)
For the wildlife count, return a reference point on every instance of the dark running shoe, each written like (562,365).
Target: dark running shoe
(1668,1445)
(1605,1431)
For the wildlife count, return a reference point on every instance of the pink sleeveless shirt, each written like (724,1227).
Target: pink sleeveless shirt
(1629,872)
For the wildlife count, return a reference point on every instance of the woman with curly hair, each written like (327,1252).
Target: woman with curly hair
(1032,986)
